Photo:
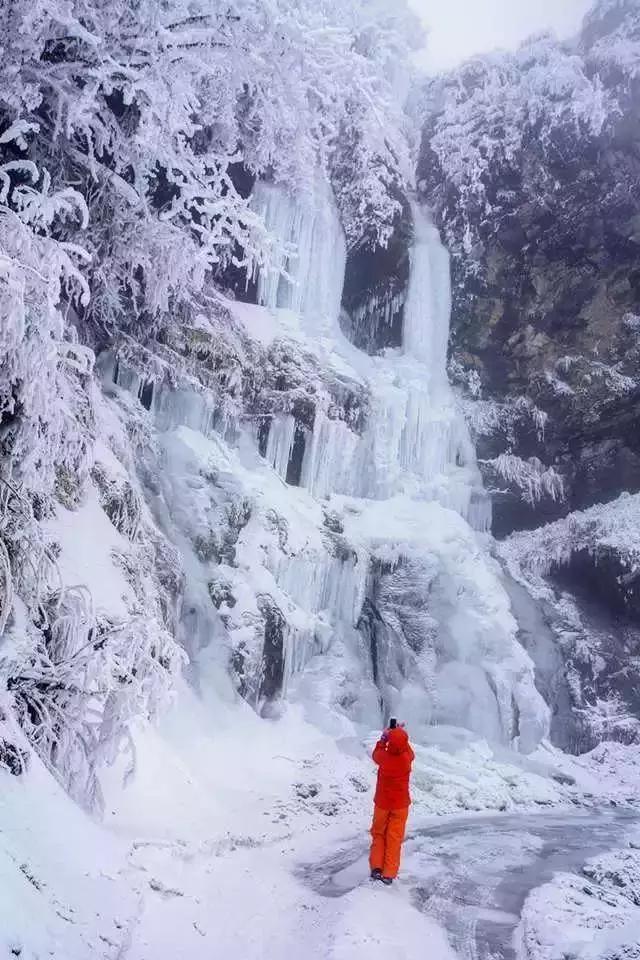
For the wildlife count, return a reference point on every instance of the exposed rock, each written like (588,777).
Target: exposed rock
(221,592)
(577,602)
(333,521)
(272,672)
(375,286)
(378,242)
(306,791)
(12,758)
(537,192)
(603,578)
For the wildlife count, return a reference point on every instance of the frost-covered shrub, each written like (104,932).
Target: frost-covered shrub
(531,478)
(77,680)
(607,528)
(221,592)
(74,678)
(45,415)
(46,419)
(612,30)
(487,418)
(218,545)
(176,105)
(465,378)
(484,118)
(45,422)
(12,758)
(119,501)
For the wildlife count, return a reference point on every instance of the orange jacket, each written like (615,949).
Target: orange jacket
(394,758)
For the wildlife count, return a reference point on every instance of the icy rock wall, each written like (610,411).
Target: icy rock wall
(329,550)
(549,241)
(267,583)
(445,652)
(576,594)
(415,440)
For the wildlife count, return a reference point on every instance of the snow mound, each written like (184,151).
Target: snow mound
(605,528)
(591,916)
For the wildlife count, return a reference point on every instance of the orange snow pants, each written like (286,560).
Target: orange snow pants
(387,833)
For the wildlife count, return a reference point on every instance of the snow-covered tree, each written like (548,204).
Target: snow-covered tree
(73,679)
(494,115)
(128,135)
(150,107)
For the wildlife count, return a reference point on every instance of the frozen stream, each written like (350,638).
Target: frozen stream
(474,875)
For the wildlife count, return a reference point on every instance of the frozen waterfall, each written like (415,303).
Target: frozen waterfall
(434,444)
(308,276)
(390,484)
(428,305)
(338,559)
(416,442)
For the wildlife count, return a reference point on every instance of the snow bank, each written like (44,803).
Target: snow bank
(63,893)
(613,527)
(589,916)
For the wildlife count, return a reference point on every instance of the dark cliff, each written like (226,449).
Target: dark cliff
(531,163)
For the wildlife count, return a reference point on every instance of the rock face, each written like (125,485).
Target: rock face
(531,163)
(377,269)
(376,280)
(575,591)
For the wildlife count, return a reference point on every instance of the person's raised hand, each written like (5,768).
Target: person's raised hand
(384,736)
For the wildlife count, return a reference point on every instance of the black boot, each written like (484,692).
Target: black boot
(376,874)
(387,881)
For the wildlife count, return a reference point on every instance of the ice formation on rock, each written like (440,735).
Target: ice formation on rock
(415,440)
(308,276)
(334,558)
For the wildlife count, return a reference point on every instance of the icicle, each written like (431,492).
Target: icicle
(428,305)
(280,443)
(299,646)
(328,463)
(127,378)
(183,407)
(315,251)
(322,583)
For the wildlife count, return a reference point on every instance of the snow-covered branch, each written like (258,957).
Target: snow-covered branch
(151,109)
(534,481)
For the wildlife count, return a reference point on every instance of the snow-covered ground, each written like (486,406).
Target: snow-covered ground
(589,913)
(206,850)
(198,854)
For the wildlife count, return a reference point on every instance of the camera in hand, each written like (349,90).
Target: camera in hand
(393,723)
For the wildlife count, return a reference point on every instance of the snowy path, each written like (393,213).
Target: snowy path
(473,876)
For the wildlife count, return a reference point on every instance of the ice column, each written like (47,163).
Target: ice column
(329,459)
(427,311)
(314,251)
(280,443)
(435,444)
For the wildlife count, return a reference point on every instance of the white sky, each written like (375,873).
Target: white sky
(460,28)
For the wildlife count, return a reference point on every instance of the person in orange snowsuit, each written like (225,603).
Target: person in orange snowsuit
(394,756)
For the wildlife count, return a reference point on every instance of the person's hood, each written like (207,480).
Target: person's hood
(398,740)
